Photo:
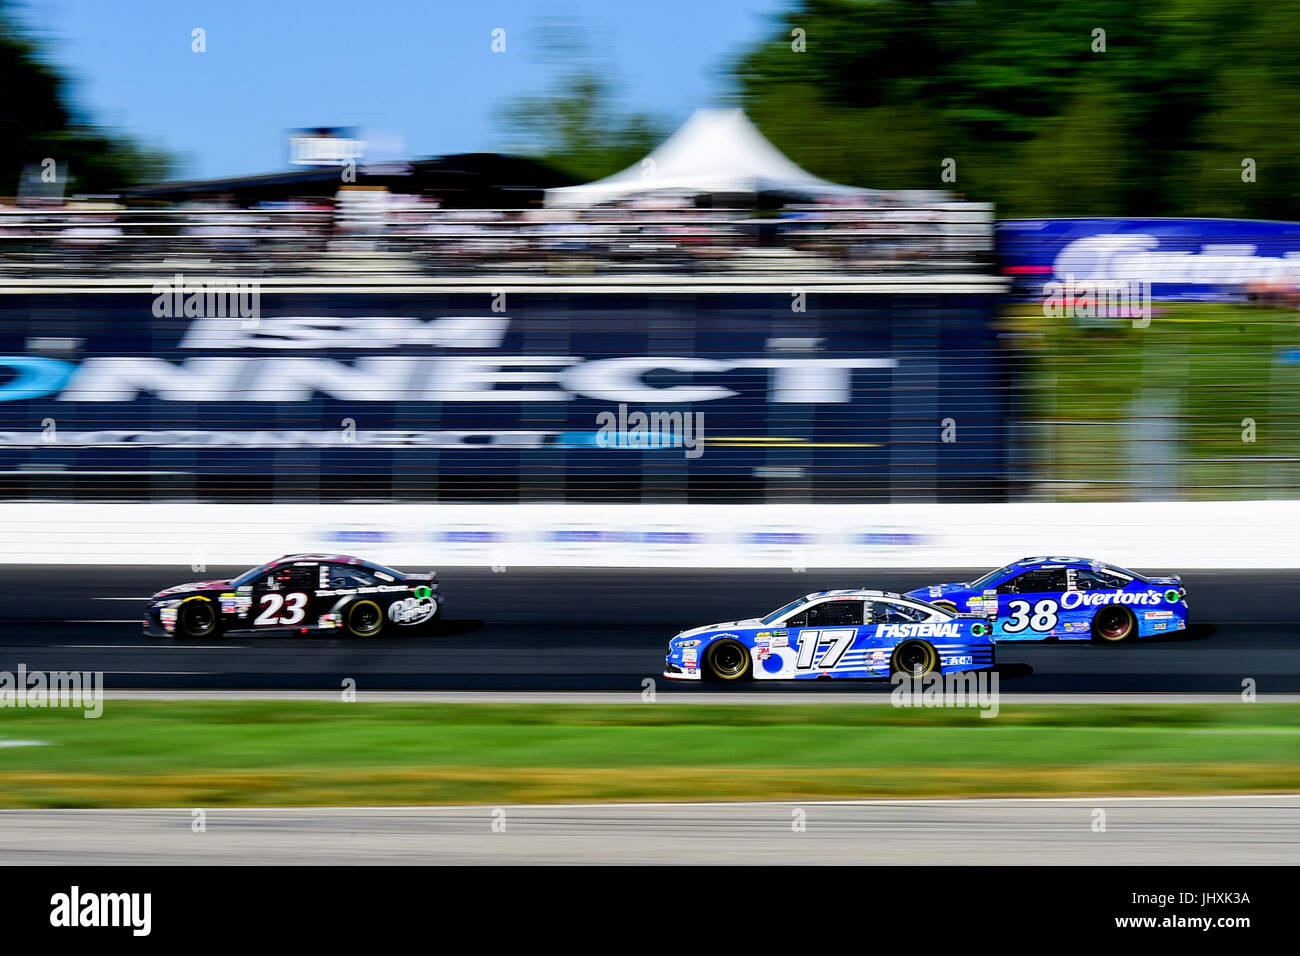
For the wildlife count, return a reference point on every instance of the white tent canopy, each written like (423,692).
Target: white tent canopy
(716,151)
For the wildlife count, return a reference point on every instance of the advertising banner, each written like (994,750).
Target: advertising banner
(1210,259)
(572,390)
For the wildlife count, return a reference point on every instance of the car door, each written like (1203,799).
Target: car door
(283,598)
(1029,605)
(824,634)
(880,637)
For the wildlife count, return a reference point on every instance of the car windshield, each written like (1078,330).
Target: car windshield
(248,577)
(782,612)
(990,577)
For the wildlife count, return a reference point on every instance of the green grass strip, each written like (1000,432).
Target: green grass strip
(291,753)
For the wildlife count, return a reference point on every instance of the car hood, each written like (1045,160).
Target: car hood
(724,625)
(934,592)
(190,588)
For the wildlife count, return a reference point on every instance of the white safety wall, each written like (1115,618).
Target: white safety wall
(1168,536)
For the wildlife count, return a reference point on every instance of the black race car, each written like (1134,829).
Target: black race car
(298,594)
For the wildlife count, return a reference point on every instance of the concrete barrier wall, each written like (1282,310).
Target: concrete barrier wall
(1168,536)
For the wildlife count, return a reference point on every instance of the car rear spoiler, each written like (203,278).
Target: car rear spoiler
(1170,580)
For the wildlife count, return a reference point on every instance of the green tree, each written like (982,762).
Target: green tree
(576,125)
(1036,118)
(37,121)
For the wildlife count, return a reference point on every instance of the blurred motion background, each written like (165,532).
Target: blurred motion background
(905,285)
(848,261)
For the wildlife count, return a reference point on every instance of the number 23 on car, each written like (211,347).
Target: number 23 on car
(299,594)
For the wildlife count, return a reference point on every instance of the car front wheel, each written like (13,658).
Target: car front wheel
(728,660)
(197,617)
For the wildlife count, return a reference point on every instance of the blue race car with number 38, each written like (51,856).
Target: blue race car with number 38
(851,633)
(1069,599)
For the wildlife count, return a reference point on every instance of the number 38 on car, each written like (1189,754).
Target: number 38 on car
(299,594)
(1067,599)
(850,633)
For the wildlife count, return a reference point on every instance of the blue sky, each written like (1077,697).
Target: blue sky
(422,70)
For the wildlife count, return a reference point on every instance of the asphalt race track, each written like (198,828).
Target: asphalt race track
(579,629)
(1153,830)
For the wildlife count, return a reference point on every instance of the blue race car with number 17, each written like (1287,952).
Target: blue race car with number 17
(853,633)
(1069,599)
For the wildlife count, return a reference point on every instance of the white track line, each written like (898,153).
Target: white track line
(685,698)
(161,643)
(670,804)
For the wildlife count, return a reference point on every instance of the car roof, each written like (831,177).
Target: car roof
(328,558)
(1059,562)
(856,592)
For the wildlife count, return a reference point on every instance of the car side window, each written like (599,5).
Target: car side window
(1090,579)
(835,613)
(300,577)
(350,576)
(1034,582)
(886,612)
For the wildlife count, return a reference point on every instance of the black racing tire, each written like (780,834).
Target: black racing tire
(1113,623)
(727,660)
(914,658)
(364,618)
(947,605)
(196,618)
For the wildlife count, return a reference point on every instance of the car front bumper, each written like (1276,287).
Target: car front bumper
(675,672)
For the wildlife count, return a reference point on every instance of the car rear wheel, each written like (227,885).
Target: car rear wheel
(1113,624)
(948,606)
(364,619)
(914,658)
(196,617)
(728,660)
